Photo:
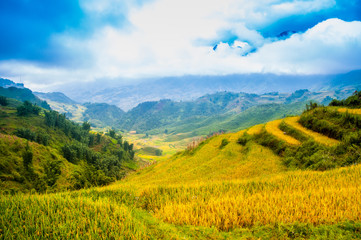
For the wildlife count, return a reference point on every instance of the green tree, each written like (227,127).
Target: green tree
(3,101)
(28,108)
(86,126)
(112,133)
(28,157)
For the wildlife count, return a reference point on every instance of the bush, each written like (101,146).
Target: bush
(244,139)
(52,171)
(224,143)
(25,133)
(40,137)
(268,140)
(27,157)
(293,132)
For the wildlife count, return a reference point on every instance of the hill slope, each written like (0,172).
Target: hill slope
(42,150)
(244,185)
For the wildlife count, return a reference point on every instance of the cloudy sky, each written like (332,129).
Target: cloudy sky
(47,43)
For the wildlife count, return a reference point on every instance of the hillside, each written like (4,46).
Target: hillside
(23,94)
(293,178)
(42,150)
(55,97)
(103,114)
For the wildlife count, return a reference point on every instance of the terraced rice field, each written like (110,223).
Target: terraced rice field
(273,128)
(349,110)
(255,129)
(293,122)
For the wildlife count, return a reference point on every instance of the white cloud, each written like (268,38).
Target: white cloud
(332,46)
(163,39)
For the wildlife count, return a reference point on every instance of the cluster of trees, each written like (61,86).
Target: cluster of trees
(3,101)
(33,180)
(94,168)
(40,137)
(97,168)
(27,108)
(79,133)
(352,101)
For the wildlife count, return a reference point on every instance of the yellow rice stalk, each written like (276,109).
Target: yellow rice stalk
(255,129)
(293,122)
(273,128)
(352,111)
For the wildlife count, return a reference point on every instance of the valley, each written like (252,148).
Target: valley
(293,178)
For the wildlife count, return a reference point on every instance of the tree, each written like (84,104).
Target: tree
(158,152)
(27,157)
(28,108)
(86,126)
(112,133)
(3,101)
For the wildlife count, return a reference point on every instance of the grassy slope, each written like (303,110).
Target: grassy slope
(214,191)
(12,148)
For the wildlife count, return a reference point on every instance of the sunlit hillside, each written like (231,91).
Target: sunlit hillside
(252,184)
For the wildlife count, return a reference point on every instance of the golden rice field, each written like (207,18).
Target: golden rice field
(212,163)
(306,197)
(255,129)
(214,191)
(293,122)
(273,128)
(349,110)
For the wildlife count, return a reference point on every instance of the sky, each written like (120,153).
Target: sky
(47,44)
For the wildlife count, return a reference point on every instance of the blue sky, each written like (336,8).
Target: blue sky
(51,43)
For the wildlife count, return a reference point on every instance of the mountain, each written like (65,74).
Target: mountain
(187,88)
(23,94)
(98,114)
(220,111)
(103,114)
(55,97)
(6,83)
(292,178)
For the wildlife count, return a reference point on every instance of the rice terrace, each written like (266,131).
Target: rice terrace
(158,119)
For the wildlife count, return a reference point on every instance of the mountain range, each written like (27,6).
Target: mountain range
(218,111)
(187,88)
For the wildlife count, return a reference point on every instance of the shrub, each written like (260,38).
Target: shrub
(244,139)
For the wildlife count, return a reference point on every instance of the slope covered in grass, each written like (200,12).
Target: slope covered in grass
(41,150)
(230,186)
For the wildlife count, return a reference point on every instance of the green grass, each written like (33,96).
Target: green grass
(221,188)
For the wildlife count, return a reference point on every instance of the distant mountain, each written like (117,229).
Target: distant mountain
(56,97)
(103,114)
(6,83)
(23,94)
(188,88)
(220,111)
(98,114)
(351,80)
